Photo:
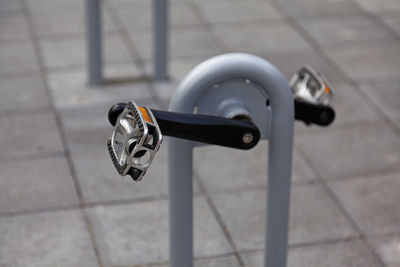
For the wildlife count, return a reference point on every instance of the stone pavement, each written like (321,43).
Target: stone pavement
(62,203)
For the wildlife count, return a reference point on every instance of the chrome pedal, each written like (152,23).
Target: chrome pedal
(135,141)
(311,87)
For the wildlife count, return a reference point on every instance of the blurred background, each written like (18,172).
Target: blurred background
(63,204)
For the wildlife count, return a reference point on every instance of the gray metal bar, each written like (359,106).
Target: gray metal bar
(278,196)
(180,202)
(94,45)
(160,39)
(275,123)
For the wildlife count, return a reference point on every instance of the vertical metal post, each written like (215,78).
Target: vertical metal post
(160,39)
(180,161)
(94,45)
(278,196)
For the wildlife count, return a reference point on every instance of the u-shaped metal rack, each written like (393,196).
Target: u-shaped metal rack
(241,94)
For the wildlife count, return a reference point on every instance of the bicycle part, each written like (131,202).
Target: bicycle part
(311,87)
(139,130)
(309,113)
(135,140)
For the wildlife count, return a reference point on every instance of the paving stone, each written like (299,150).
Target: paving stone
(140,18)
(61,22)
(313,217)
(22,93)
(13,28)
(262,39)
(10,7)
(28,134)
(347,29)
(70,90)
(71,52)
(323,7)
(379,6)
(386,95)
(193,43)
(383,60)
(24,183)
(215,262)
(368,148)
(17,58)
(372,202)
(50,7)
(48,239)
(178,69)
(139,3)
(235,11)
(165,89)
(100,182)
(138,233)
(388,250)
(393,23)
(228,169)
(347,254)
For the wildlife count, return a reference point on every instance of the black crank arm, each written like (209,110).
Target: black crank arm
(202,128)
(309,113)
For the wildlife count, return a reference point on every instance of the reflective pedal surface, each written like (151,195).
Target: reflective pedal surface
(135,141)
(311,87)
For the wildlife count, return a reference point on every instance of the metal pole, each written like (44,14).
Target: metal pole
(160,39)
(278,196)
(180,202)
(94,46)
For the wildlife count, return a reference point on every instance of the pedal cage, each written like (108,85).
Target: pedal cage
(135,141)
(310,86)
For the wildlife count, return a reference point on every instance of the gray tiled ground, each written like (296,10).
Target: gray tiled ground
(62,203)
(17,58)
(29,134)
(248,174)
(23,93)
(388,249)
(127,239)
(382,62)
(346,254)
(39,177)
(239,11)
(386,95)
(137,17)
(377,151)
(189,42)
(332,31)
(70,51)
(369,201)
(263,39)
(314,217)
(13,28)
(49,239)
(318,8)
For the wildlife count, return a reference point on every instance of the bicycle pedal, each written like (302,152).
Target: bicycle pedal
(135,141)
(310,86)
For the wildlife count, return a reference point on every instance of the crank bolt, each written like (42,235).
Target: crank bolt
(247,138)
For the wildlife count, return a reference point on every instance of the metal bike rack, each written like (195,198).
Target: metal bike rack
(234,85)
(94,40)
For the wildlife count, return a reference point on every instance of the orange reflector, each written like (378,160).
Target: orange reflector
(327,90)
(146,115)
